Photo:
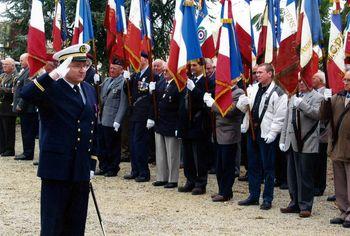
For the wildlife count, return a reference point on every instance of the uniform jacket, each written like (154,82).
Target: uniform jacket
(22,80)
(274,117)
(6,95)
(67,128)
(141,98)
(341,150)
(324,125)
(228,128)
(309,116)
(114,101)
(194,114)
(168,101)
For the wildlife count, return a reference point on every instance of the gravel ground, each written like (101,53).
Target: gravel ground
(130,208)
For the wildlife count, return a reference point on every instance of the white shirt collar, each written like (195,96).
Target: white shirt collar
(71,85)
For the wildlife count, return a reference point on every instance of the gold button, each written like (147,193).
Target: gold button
(79,130)
(78,121)
(90,140)
(92,131)
(78,139)
(75,148)
(89,150)
(92,122)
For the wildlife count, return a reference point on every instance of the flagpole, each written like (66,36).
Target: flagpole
(127,80)
(97,87)
(250,116)
(150,61)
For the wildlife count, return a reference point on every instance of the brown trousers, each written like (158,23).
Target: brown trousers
(341,171)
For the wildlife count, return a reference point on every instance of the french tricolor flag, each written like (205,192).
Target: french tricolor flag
(59,32)
(184,47)
(336,55)
(287,62)
(36,43)
(205,27)
(133,39)
(147,38)
(309,36)
(83,30)
(229,65)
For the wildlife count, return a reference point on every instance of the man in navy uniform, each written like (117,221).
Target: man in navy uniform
(68,110)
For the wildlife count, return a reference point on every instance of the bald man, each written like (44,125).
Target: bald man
(7,116)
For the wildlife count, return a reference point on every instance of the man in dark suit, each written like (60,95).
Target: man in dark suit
(68,111)
(27,112)
(194,129)
(139,133)
(7,116)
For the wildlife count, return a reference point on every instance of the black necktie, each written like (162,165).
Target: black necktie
(77,90)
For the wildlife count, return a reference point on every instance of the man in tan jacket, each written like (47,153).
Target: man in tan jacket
(339,147)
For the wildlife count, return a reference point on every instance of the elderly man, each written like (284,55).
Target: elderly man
(27,112)
(339,147)
(158,67)
(268,103)
(68,110)
(167,145)
(7,116)
(303,137)
(114,103)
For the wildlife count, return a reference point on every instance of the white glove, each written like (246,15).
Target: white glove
(327,94)
(92,174)
(116,126)
(242,102)
(126,74)
(190,84)
(210,101)
(96,78)
(151,87)
(243,129)
(62,70)
(270,138)
(297,101)
(150,123)
(206,97)
(282,147)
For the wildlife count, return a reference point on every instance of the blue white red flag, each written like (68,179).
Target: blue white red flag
(183,46)
(146,17)
(287,63)
(229,65)
(36,43)
(309,36)
(59,31)
(205,27)
(115,24)
(336,54)
(83,30)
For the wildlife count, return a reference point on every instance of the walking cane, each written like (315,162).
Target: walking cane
(97,210)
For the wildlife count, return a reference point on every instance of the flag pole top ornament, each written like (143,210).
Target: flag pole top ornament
(227,21)
(188,3)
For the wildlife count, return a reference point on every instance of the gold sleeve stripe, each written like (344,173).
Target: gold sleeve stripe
(39,85)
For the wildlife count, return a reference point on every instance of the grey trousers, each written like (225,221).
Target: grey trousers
(300,180)
(341,171)
(167,158)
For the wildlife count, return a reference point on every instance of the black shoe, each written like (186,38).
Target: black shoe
(346,224)
(198,191)
(111,173)
(331,198)
(100,172)
(248,202)
(186,188)
(170,185)
(8,154)
(318,193)
(284,186)
(212,171)
(289,210)
(265,206)
(140,179)
(129,176)
(336,221)
(277,184)
(243,178)
(22,157)
(159,183)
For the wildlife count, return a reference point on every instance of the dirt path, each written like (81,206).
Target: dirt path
(130,208)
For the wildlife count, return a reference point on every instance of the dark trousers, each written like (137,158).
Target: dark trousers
(100,151)
(63,207)
(244,155)
(112,142)
(281,166)
(195,162)
(212,152)
(320,170)
(7,133)
(140,137)
(261,162)
(29,130)
(300,180)
(225,168)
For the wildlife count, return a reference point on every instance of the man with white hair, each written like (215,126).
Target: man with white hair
(158,66)
(320,171)
(7,116)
